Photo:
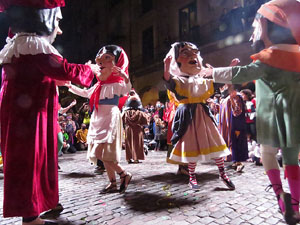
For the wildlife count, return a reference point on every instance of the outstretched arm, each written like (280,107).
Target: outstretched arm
(167,62)
(208,72)
(64,110)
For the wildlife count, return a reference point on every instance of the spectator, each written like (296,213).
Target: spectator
(134,120)
(81,135)
(232,125)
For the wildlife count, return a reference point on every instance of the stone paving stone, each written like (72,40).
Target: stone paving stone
(206,220)
(272,220)
(233,215)
(246,217)
(182,222)
(192,219)
(256,220)
(236,221)
(217,214)
(223,220)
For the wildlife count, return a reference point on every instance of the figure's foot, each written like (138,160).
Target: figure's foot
(99,170)
(125,180)
(289,214)
(193,182)
(136,161)
(227,182)
(59,208)
(232,166)
(129,161)
(194,186)
(110,188)
(240,167)
(39,221)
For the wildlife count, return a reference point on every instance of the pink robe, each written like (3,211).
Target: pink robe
(29,130)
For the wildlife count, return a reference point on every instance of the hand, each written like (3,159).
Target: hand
(233,94)
(206,72)
(119,72)
(65,83)
(94,67)
(167,63)
(209,66)
(74,102)
(234,62)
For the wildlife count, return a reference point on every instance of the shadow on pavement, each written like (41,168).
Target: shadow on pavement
(77,175)
(172,178)
(149,202)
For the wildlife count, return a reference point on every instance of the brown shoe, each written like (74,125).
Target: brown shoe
(125,180)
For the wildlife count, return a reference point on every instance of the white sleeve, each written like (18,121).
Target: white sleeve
(128,87)
(86,93)
(222,75)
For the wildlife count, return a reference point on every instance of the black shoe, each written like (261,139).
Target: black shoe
(99,170)
(59,208)
(228,183)
(50,223)
(289,214)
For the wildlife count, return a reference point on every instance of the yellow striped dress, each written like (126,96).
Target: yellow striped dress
(195,135)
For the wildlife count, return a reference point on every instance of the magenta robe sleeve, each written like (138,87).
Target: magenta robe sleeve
(58,68)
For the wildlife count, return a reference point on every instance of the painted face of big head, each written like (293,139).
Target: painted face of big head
(188,59)
(107,58)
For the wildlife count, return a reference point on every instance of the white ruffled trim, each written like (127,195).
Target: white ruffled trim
(26,44)
(109,90)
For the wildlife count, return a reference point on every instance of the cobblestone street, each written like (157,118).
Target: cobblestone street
(157,195)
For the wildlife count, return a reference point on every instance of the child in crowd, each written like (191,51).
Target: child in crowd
(105,130)
(195,135)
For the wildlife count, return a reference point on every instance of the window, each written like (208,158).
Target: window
(147,5)
(187,19)
(148,45)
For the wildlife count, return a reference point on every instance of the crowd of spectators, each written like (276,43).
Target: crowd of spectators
(74,126)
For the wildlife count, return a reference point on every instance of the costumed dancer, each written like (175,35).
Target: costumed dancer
(232,125)
(276,69)
(106,129)
(29,106)
(195,135)
(134,120)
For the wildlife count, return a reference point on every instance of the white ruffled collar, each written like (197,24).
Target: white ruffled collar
(26,44)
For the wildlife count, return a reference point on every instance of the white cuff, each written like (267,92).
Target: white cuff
(222,75)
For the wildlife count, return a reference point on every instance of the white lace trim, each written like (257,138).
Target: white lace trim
(26,44)
(109,90)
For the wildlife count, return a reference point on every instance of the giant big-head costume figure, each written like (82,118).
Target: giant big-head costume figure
(29,105)
(33,16)
(277,22)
